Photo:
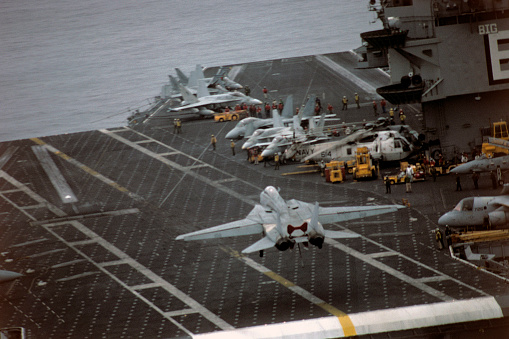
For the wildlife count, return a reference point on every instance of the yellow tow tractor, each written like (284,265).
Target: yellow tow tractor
(364,168)
(227,116)
(335,171)
(419,174)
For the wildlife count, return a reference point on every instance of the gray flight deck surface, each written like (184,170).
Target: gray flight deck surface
(108,265)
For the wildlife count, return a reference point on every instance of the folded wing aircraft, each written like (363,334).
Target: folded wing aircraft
(283,224)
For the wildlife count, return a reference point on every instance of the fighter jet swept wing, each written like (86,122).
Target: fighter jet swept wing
(282,223)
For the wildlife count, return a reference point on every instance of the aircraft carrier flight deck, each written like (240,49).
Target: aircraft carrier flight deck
(101,259)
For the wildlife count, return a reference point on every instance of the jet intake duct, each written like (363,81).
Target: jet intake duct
(498,218)
(284,243)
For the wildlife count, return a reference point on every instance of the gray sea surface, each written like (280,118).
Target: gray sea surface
(69,66)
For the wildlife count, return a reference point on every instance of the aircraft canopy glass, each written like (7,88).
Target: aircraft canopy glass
(466,204)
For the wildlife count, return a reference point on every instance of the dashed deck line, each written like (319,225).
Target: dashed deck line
(123,259)
(187,170)
(416,262)
(383,267)
(29,243)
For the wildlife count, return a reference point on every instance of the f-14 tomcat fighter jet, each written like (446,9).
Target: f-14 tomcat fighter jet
(286,223)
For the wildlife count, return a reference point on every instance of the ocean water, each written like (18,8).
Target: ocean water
(69,66)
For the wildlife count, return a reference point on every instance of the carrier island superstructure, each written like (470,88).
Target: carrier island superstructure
(452,56)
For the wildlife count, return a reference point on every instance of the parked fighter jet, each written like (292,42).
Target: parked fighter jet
(192,104)
(283,142)
(219,78)
(478,211)
(286,223)
(247,127)
(483,164)
(219,83)
(263,136)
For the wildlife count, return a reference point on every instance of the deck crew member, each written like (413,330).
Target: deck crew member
(345,103)
(213,141)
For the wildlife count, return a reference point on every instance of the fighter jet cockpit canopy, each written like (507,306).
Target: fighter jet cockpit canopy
(465,205)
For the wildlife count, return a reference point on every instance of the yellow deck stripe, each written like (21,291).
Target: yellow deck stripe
(344,319)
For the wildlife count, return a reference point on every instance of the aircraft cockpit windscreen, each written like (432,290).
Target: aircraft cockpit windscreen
(466,204)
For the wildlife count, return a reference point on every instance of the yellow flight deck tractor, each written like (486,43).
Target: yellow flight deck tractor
(227,116)
(364,168)
(419,174)
(496,141)
(335,171)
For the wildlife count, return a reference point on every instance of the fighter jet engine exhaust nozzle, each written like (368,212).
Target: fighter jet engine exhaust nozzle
(284,243)
(316,240)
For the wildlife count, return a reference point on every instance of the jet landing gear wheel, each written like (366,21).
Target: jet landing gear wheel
(235,117)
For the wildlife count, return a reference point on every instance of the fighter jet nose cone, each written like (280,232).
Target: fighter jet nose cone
(8,275)
(231,135)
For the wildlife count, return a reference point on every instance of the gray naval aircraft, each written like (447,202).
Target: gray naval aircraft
(285,223)
(483,164)
(198,104)
(479,211)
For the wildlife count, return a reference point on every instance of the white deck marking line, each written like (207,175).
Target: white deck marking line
(126,259)
(31,207)
(149,274)
(395,273)
(123,259)
(181,168)
(54,174)
(437,272)
(145,286)
(77,276)
(29,242)
(68,263)
(46,253)
(180,312)
(382,254)
(15,190)
(169,153)
(31,194)
(85,216)
(432,279)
